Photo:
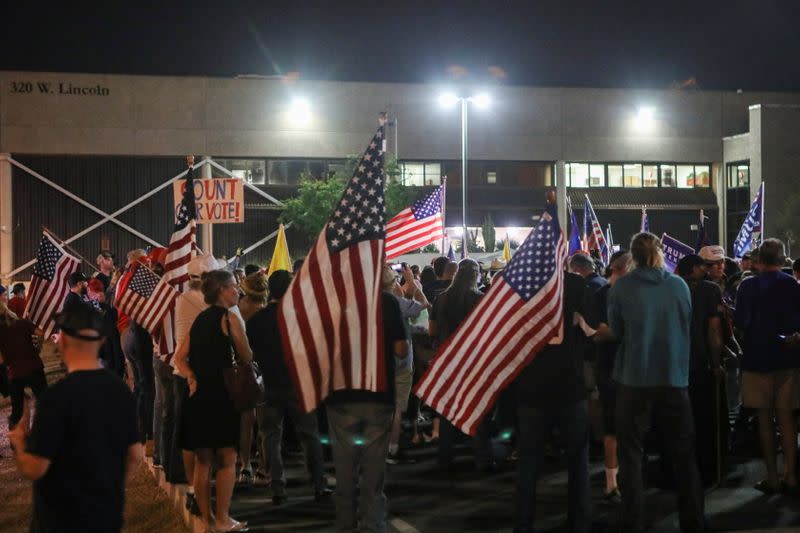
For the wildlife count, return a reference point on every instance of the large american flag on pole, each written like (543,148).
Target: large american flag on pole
(182,248)
(331,317)
(519,315)
(182,245)
(49,283)
(416,226)
(145,297)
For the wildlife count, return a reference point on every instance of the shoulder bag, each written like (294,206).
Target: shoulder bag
(243,380)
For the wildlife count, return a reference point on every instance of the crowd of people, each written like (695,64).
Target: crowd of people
(640,347)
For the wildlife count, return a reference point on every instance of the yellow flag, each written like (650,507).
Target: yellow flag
(506,250)
(280,257)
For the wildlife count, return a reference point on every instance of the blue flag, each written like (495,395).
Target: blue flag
(451,255)
(674,251)
(753,223)
(574,235)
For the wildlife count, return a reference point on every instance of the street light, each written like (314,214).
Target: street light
(300,110)
(482,101)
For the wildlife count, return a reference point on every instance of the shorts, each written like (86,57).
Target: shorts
(402,389)
(770,390)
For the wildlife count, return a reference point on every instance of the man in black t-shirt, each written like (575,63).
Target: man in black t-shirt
(706,383)
(444,270)
(359,422)
(551,392)
(84,440)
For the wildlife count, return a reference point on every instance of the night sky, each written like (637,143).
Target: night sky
(722,45)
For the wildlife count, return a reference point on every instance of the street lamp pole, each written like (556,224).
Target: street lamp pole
(464,119)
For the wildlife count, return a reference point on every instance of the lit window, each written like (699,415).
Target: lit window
(597,176)
(433,173)
(633,175)
(743,175)
(615,175)
(667,175)
(578,174)
(685,176)
(414,174)
(702,176)
(650,175)
(251,170)
(491,177)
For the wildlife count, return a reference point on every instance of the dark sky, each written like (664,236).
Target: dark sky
(602,43)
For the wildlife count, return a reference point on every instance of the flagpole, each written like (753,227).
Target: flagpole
(69,248)
(444,208)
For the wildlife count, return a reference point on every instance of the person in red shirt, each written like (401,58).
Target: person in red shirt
(17,302)
(20,341)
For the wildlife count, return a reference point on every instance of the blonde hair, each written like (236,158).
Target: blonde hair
(646,250)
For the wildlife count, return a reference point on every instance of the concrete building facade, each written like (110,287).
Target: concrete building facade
(600,138)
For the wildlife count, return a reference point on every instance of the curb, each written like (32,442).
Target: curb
(176,495)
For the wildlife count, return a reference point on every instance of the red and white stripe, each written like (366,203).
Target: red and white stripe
(147,312)
(182,247)
(331,322)
(404,233)
(47,297)
(491,347)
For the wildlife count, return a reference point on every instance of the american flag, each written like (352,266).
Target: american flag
(521,313)
(145,298)
(331,317)
(182,244)
(595,239)
(49,283)
(416,226)
(182,247)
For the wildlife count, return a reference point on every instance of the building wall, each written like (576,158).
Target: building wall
(780,165)
(147,115)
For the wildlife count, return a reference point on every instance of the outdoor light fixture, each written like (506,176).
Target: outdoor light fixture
(300,110)
(448,99)
(645,118)
(481,101)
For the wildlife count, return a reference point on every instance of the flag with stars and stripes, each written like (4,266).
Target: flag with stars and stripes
(183,243)
(49,283)
(145,298)
(521,313)
(331,316)
(416,226)
(595,239)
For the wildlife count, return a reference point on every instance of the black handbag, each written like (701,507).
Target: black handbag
(243,380)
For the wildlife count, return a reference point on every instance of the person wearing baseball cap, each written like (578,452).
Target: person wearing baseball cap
(105,265)
(85,429)
(77,289)
(714,258)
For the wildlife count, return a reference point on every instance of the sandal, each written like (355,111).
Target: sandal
(766,488)
(234,526)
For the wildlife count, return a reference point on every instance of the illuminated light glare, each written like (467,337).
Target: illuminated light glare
(457,231)
(358,441)
(481,100)
(300,110)
(645,118)
(323,439)
(448,99)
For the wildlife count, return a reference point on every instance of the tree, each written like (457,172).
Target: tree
(472,242)
(316,198)
(489,236)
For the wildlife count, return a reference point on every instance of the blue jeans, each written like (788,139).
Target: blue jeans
(138,348)
(535,424)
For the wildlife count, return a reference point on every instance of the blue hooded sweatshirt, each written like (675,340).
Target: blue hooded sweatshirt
(650,311)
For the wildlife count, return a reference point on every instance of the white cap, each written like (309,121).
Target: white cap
(203,263)
(712,254)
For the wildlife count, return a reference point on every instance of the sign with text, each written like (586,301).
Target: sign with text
(218,200)
(674,251)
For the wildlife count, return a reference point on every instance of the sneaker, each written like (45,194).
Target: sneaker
(245,477)
(612,498)
(191,504)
